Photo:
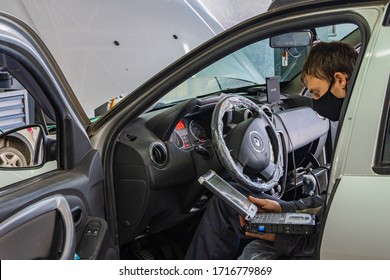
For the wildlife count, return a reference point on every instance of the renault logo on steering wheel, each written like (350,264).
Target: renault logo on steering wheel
(256,141)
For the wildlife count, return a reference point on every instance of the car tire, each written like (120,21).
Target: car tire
(11,157)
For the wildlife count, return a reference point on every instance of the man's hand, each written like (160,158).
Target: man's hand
(263,205)
(265,236)
(266,205)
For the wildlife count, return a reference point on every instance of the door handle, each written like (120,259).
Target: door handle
(58,203)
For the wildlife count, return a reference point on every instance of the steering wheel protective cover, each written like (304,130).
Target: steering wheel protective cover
(233,167)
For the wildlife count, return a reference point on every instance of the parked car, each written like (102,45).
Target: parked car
(127,185)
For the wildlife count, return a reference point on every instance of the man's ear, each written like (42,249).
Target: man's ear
(340,79)
(339,87)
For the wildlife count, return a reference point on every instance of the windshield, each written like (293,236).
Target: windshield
(246,67)
(251,65)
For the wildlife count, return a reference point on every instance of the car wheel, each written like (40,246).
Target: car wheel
(11,157)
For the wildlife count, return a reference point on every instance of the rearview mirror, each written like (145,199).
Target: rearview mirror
(22,147)
(292,40)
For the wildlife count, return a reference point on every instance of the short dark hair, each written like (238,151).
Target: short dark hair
(326,58)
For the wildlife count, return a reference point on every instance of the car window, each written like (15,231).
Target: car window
(386,151)
(382,163)
(248,66)
(251,65)
(23,126)
(335,32)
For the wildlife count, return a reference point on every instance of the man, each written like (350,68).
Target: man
(325,73)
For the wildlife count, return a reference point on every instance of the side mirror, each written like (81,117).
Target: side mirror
(292,40)
(23,147)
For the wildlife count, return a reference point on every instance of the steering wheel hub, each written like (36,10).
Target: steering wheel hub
(257,141)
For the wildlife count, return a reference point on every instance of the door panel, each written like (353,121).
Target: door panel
(43,230)
(47,214)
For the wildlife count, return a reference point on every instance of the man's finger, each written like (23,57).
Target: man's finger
(242,221)
(258,201)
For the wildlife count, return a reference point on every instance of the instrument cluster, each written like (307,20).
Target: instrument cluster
(189,133)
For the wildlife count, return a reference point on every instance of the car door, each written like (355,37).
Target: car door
(357,224)
(53,207)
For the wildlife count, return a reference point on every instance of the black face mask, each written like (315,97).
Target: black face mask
(328,106)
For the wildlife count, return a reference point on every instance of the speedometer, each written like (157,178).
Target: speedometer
(176,139)
(198,131)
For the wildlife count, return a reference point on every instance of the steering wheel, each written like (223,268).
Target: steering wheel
(251,152)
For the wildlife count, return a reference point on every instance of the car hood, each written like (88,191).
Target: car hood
(107,50)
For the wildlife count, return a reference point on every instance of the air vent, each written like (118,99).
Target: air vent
(248,114)
(158,154)
(268,112)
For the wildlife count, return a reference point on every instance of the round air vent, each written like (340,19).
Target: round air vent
(158,154)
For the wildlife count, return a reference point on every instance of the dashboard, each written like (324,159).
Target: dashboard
(158,159)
